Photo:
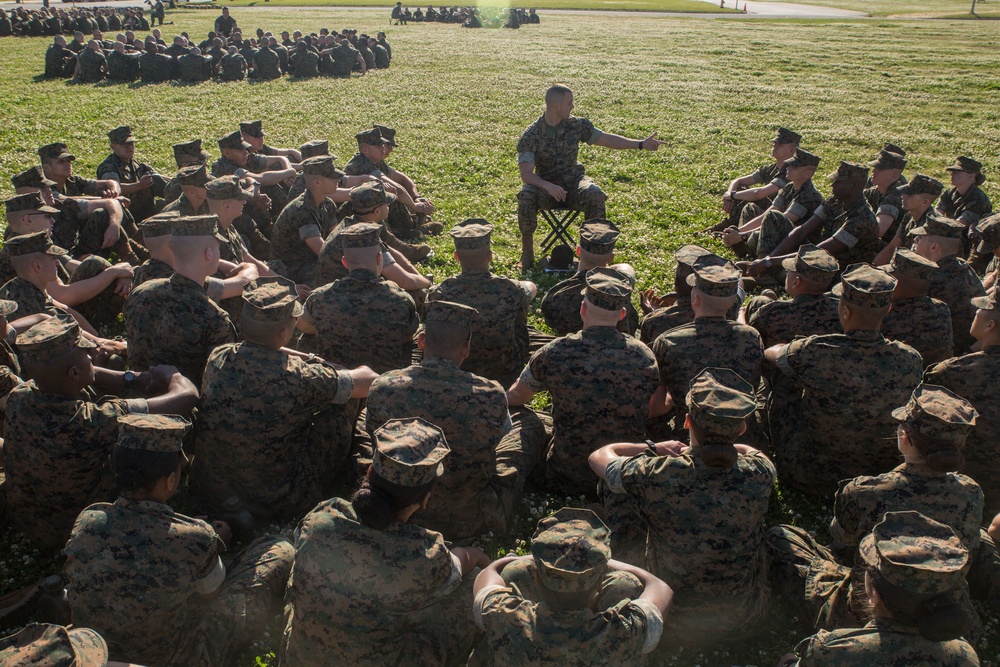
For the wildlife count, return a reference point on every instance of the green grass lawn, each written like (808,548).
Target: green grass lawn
(902,7)
(715,91)
(638,5)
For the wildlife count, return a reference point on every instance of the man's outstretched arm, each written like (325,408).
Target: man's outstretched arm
(608,140)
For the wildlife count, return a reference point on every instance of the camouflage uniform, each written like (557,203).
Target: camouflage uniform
(156,67)
(855,226)
(973,377)
(335,616)
(92,66)
(685,504)
(266,64)
(921,556)
(303,63)
(151,269)
(232,67)
(277,454)
(772,173)
(968,209)
(805,315)
(553,150)
(41,643)
(775,225)
(491,456)
(114,169)
(56,447)
(10,367)
(59,62)
(400,220)
(300,220)
(315,148)
(500,332)
(524,630)
(363,319)
(841,383)
(173,321)
(908,225)
(123,66)
(195,67)
(683,352)
(344,58)
(600,381)
(891,202)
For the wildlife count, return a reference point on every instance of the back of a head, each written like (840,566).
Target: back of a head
(556,93)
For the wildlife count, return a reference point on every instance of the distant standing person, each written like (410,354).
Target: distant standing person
(546,156)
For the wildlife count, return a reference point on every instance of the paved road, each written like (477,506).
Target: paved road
(768,10)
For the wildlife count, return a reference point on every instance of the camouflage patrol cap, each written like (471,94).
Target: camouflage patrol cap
(989,229)
(152,432)
(452,313)
(571,550)
(55,151)
(608,288)
(963,163)
(227,187)
(195,175)
(938,414)
(189,150)
(234,140)
(714,279)
(121,135)
(802,158)
(31,201)
(361,235)
(598,236)
(271,299)
(321,165)
(409,452)
(368,196)
(29,244)
(388,133)
(922,185)
(786,136)
(915,553)
(688,255)
(314,148)
(719,401)
(893,148)
(888,160)
(372,137)
(988,302)
(908,264)
(938,225)
(471,234)
(253,128)
(159,225)
(812,263)
(849,171)
(865,286)
(7,307)
(33,177)
(196,225)
(52,338)
(53,646)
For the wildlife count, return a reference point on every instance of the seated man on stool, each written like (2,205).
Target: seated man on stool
(546,156)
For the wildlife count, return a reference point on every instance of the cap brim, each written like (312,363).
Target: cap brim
(981,302)
(297,310)
(91,649)
(954,167)
(919,231)
(85,343)
(788,264)
(47,209)
(7,307)
(68,156)
(867,550)
(246,146)
(692,279)
(46,182)
(904,190)
(56,250)
(900,414)
(838,289)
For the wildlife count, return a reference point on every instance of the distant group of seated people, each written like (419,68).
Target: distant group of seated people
(220,56)
(47,21)
(468,17)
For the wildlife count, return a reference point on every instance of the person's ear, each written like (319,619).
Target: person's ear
(421,339)
(687,420)
(622,314)
(743,429)
(427,499)
(343,261)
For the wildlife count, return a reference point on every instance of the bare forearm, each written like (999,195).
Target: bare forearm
(796,237)
(519,394)
(82,291)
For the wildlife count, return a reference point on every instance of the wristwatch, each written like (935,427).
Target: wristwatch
(767,262)
(129,378)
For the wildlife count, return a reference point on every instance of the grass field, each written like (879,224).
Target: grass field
(637,5)
(713,90)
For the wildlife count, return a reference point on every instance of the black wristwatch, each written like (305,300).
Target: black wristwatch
(129,378)
(651,448)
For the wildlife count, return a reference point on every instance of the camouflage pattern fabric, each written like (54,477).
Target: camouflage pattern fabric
(890,204)
(334,615)
(59,62)
(277,454)
(908,224)
(855,226)
(123,67)
(684,352)
(172,321)
(583,195)
(183,206)
(613,587)
(267,65)
(156,67)
(400,219)
(303,63)
(476,494)
(102,310)
(56,458)
(742,211)
(664,319)
(226,167)
(364,320)
(775,225)
(142,201)
(922,323)
(686,505)
(91,63)
(151,269)
(138,572)
(809,416)
(973,377)
(968,208)
(600,381)
(956,283)
(561,307)
(554,150)
(884,643)
(195,68)
(10,372)
(300,220)
(232,67)
(500,332)
(381,57)
(344,57)
(29,299)
(328,265)
(805,315)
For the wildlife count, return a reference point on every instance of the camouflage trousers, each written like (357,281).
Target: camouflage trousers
(537,339)
(258,244)
(102,310)
(250,596)
(828,595)
(585,195)
(91,237)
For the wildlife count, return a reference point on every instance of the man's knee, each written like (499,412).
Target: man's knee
(527,209)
